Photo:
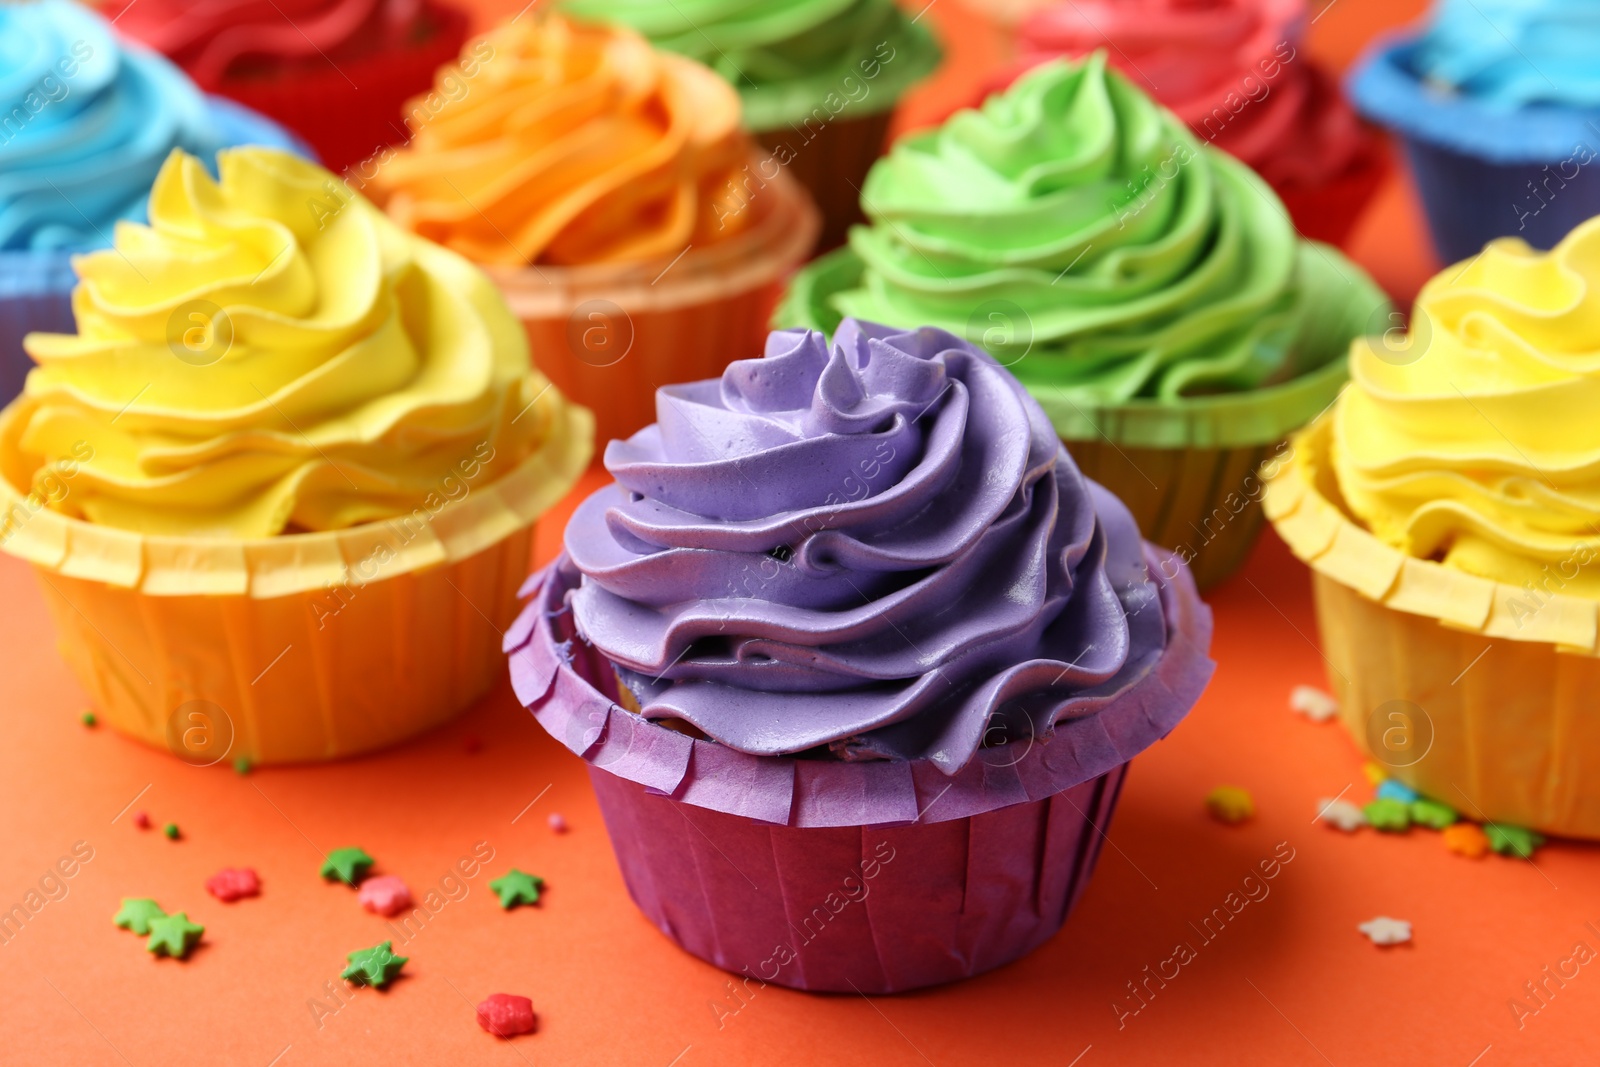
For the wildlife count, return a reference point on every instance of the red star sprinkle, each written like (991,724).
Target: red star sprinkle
(234,883)
(506,1015)
(385,895)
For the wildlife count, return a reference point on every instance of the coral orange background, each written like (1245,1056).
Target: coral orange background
(1288,981)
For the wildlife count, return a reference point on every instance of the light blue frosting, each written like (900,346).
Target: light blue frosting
(85,124)
(1512,53)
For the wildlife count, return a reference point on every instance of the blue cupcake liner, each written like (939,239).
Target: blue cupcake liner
(36,286)
(1483,172)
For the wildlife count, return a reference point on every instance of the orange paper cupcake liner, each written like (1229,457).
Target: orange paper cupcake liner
(299,647)
(1469,690)
(609,336)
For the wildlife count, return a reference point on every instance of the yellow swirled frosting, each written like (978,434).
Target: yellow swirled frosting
(1476,441)
(572,144)
(271,354)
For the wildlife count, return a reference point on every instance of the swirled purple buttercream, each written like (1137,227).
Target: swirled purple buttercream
(874,549)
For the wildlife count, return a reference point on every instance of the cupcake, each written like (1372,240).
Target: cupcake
(819,78)
(1149,291)
(857,659)
(279,487)
(87,123)
(334,71)
(1448,506)
(1497,103)
(608,189)
(1236,72)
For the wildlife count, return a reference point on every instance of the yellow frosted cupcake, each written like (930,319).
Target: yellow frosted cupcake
(279,488)
(1450,506)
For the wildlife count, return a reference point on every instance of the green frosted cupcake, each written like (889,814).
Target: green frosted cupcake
(1151,292)
(819,78)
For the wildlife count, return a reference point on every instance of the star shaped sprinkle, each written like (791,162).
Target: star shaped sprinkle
(234,883)
(1394,789)
(1230,804)
(1425,811)
(348,865)
(376,966)
(1511,840)
(1341,813)
(1313,703)
(385,895)
(1389,815)
(507,1015)
(173,935)
(136,913)
(1467,839)
(517,887)
(1386,931)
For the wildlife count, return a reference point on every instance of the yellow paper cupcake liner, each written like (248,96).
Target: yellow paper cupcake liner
(299,647)
(610,336)
(1469,690)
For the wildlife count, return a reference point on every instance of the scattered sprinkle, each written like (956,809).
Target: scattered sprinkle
(1434,814)
(1394,789)
(506,1015)
(234,883)
(1230,804)
(1386,931)
(243,765)
(1467,839)
(558,823)
(89,720)
(136,913)
(376,966)
(1341,813)
(348,865)
(173,935)
(517,887)
(141,819)
(1313,703)
(171,830)
(1511,840)
(1391,816)
(1375,773)
(385,895)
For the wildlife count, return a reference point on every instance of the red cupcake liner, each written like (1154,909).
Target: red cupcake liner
(870,877)
(1329,212)
(353,108)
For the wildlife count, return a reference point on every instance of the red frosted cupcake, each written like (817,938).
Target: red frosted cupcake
(1236,72)
(337,72)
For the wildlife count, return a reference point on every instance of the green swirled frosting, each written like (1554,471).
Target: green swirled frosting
(1082,234)
(788,57)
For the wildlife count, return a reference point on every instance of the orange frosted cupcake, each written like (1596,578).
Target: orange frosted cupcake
(610,192)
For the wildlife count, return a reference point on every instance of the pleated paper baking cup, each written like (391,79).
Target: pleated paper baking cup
(873,877)
(1472,691)
(832,162)
(293,648)
(609,336)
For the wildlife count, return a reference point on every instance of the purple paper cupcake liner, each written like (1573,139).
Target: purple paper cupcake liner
(1532,172)
(785,870)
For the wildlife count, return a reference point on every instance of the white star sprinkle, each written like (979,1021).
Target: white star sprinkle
(1341,813)
(1313,703)
(1386,931)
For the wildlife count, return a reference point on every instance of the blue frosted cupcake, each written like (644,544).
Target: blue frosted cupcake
(1498,104)
(85,124)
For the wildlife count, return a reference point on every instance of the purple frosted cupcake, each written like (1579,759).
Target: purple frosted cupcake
(857,659)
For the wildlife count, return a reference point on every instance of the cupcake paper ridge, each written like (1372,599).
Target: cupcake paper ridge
(778,562)
(346,370)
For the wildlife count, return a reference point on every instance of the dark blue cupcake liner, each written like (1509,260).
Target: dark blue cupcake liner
(1482,172)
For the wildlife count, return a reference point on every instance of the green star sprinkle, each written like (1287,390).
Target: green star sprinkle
(376,966)
(89,720)
(1393,816)
(1511,840)
(173,935)
(136,913)
(1425,811)
(348,865)
(517,887)
(171,830)
(242,765)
